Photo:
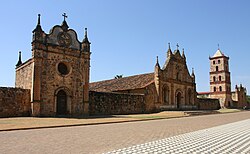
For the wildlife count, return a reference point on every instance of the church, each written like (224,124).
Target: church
(170,87)
(57,74)
(55,82)
(58,78)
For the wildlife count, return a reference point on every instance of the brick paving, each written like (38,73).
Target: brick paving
(108,137)
(224,139)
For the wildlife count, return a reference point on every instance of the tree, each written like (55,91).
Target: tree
(248,98)
(118,76)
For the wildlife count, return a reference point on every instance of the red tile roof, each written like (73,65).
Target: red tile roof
(121,84)
(203,93)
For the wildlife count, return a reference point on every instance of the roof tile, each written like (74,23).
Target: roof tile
(121,84)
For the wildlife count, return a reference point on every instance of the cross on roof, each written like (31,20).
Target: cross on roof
(64,16)
(177,46)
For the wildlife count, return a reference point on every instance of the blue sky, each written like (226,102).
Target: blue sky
(127,35)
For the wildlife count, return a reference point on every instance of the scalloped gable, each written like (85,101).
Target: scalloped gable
(172,61)
(175,56)
(52,37)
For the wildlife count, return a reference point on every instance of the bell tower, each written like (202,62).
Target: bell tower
(220,82)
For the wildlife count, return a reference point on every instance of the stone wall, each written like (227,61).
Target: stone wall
(101,103)
(14,102)
(208,104)
(24,75)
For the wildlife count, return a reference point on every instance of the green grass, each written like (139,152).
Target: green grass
(248,98)
(228,110)
(147,117)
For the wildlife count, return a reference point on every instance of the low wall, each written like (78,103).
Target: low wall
(208,104)
(14,102)
(101,103)
(239,105)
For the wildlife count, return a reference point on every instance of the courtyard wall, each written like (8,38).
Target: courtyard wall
(102,103)
(14,102)
(208,104)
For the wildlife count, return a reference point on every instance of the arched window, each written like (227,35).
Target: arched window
(220,88)
(214,78)
(218,61)
(214,89)
(214,62)
(217,68)
(166,95)
(178,99)
(219,78)
(189,96)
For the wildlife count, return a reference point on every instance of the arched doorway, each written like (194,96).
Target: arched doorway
(61,103)
(178,99)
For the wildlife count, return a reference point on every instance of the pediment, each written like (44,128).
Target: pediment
(60,37)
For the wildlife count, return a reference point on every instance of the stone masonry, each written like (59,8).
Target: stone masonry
(114,103)
(14,102)
(208,104)
(58,72)
(170,87)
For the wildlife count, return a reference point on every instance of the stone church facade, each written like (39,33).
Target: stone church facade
(168,88)
(57,74)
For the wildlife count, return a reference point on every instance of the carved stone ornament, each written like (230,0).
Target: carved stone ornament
(64,39)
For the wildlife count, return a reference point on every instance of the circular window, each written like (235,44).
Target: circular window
(63,69)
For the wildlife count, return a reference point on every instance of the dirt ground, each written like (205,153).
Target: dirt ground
(16,123)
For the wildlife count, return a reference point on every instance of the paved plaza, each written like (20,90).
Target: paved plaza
(109,137)
(224,139)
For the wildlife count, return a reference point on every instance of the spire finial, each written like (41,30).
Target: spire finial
(86,33)
(183,53)
(193,72)
(157,65)
(19,59)
(218,46)
(38,26)
(177,45)
(64,16)
(20,54)
(86,40)
(38,22)
(169,52)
